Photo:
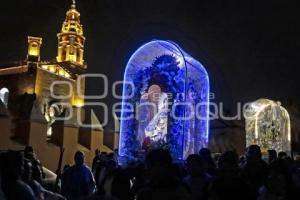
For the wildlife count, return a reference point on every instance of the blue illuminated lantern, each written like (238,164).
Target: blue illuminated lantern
(165,102)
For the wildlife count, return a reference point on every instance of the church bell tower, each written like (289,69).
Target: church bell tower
(71,39)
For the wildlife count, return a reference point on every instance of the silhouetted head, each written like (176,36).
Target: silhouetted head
(282,155)
(28,149)
(253,152)
(228,161)
(205,153)
(158,163)
(79,158)
(194,165)
(208,162)
(242,160)
(272,155)
(97,152)
(158,157)
(27,173)
(66,167)
(13,162)
(111,165)
(111,156)
(28,152)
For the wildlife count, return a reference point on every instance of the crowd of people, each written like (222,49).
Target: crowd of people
(201,176)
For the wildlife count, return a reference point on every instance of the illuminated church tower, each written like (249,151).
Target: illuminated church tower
(71,39)
(42,101)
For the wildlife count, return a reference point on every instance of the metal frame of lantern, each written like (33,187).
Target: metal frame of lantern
(268,125)
(180,121)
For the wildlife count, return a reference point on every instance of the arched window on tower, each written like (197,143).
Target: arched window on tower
(4,95)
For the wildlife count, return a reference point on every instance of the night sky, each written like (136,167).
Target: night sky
(249,48)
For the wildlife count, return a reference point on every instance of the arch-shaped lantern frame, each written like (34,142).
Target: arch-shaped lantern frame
(164,65)
(268,125)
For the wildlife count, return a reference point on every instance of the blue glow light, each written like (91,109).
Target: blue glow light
(163,65)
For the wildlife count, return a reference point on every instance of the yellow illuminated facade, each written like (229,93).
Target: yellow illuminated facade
(69,64)
(34,92)
(77,101)
(71,39)
(37,77)
(69,60)
(55,69)
(34,46)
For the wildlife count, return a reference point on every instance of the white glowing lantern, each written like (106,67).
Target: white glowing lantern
(4,95)
(268,125)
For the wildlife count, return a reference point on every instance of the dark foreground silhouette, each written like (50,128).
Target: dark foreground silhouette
(200,177)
